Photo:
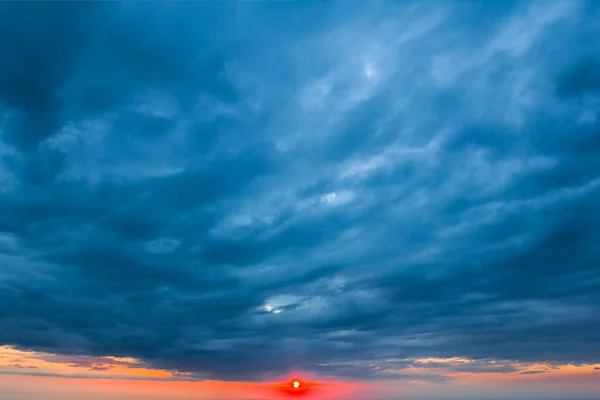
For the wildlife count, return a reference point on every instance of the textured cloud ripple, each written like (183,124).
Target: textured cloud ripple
(238,190)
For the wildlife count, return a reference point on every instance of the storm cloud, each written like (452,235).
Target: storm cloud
(238,190)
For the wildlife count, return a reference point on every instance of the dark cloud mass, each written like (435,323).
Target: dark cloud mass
(242,189)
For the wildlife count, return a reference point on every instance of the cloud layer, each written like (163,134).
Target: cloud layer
(238,190)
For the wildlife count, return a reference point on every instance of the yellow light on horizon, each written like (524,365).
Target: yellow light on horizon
(296,384)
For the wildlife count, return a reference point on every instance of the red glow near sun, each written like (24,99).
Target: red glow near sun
(308,388)
(296,387)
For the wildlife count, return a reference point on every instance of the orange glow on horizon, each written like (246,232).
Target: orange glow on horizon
(101,389)
(128,375)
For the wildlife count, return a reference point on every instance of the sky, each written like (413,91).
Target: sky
(397,199)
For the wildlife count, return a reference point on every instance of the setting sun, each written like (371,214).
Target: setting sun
(296,384)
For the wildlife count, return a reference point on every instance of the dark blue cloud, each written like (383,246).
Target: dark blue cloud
(242,189)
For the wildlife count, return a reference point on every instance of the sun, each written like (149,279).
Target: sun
(295,387)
